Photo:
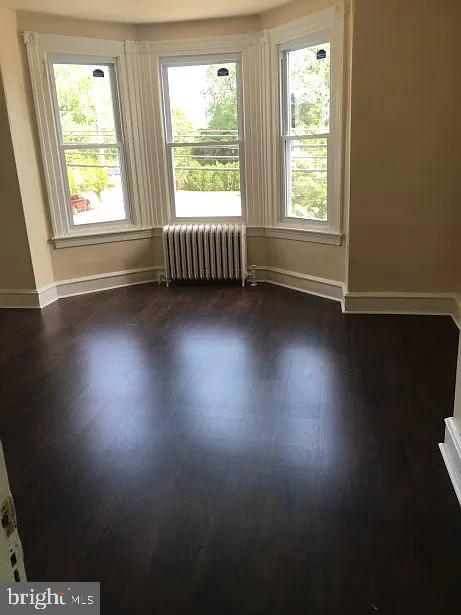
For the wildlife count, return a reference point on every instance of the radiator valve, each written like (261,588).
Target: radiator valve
(252,275)
(162,277)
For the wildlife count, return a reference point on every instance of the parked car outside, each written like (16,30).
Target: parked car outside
(79,203)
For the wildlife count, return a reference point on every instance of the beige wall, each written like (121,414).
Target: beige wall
(320,260)
(197,29)
(315,259)
(291,11)
(309,258)
(405,142)
(54,24)
(16,270)
(89,260)
(257,251)
(21,124)
(405,211)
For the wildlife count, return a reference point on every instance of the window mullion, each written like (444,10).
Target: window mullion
(204,144)
(117,144)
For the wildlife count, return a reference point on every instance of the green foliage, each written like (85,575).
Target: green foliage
(99,180)
(74,182)
(86,116)
(210,169)
(309,90)
(223,177)
(309,196)
(75,103)
(88,179)
(221,94)
(182,127)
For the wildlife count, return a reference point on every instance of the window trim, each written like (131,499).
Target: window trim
(197,60)
(111,63)
(318,38)
(126,57)
(327,25)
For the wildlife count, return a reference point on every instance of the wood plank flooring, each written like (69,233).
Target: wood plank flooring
(211,450)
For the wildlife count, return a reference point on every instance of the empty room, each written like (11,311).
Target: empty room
(230,300)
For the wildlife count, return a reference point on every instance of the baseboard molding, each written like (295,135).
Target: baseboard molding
(420,304)
(352,302)
(38,299)
(451,453)
(322,287)
(18,298)
(47,295)
(457,311)
(105,281)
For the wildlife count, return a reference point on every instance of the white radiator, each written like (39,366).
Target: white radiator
(205,252)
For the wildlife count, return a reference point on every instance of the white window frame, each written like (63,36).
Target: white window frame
(124,56)
(326,26)
(287,138)
(194,60)
(119,145)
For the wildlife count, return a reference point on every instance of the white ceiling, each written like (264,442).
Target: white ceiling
(144,11)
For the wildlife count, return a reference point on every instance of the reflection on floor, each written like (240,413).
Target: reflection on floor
(218,450)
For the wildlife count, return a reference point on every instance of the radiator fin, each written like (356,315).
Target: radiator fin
(205,252)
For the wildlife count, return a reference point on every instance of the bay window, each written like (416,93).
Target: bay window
(138,134)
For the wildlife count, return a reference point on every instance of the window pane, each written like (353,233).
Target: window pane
(95,185)
(203,104)
(207,181)
(308,179)
(85,103)
(309,90)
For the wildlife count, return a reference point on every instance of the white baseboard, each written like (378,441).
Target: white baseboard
(105,281)
(47,295)
(451,453)
(457,311)
(420,304)
(25,298)
(19,298)
(352,302)
(322,287)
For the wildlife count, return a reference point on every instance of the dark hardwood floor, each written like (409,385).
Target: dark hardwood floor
(212,451)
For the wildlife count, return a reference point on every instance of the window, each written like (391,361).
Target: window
(90,141)
(306,131)
(203,136)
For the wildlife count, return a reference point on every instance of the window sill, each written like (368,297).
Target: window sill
(71,241)
(297,234)
(276,232)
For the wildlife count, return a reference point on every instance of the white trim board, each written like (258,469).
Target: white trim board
(278,232)
(27,299)
(418,304)
(313,285)
(322,287)
(352,303)
(18,298)
(105,281)
(451,453)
